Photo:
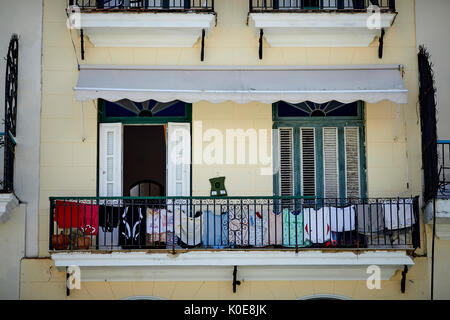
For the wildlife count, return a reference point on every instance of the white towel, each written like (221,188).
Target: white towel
(342,219)
(398,215)
(317,225)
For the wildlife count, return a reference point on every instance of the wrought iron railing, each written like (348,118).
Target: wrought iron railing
(7,138)
(319,5)
(198,5)
(8,144)
(181,223)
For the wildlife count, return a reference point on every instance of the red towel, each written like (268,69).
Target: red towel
(77,215)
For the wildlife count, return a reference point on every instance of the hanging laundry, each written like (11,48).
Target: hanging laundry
(77,215)
(132,227)
(108,233)
(188,229)
(370,218)
(238,231)
(159,223)
(275,228)
(293,229)
(398,214)
(317,225)
(215,232)
(259,228)
(389,238)
(351,239)
(342,219)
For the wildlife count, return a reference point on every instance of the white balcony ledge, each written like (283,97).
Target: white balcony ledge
(8,202)
(218,265)
(327,29)
(442,217)
(145,29)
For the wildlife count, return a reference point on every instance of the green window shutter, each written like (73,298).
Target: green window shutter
(330,163)
(286,162)
(352,162)
(308,161)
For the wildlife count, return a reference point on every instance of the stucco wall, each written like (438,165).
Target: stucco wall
(432,28)
(22,227)
(41,280)
(26,182)
(68,165)
(12,250)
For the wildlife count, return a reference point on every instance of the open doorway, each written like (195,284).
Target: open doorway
(144,160)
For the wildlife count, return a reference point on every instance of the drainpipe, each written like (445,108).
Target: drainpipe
(432,248)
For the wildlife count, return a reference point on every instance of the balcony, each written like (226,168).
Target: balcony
(440,205)
(304,237)
(321,23)
(143,23)
(232,223)
(144,5)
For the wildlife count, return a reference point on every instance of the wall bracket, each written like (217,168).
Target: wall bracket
(82,44)
(403,282)
(202,56)
(381,45)
(235,282)
(261,34)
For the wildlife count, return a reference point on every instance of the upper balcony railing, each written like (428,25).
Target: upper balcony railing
(144,5)
(193,223)
(319,5)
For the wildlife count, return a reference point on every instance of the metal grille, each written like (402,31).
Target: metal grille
(346,5)
(7,140)
(198,223)
(427,102)
(207,5)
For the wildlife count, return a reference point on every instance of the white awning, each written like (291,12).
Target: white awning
(266,84)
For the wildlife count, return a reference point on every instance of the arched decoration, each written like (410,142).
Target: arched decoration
(147,111)
(143,298)
(147,188)
(312,109)
(324,297)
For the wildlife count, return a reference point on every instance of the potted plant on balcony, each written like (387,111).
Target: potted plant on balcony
(80,240)
(60,241)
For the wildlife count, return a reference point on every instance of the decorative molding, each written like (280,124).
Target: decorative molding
(145,29)
(318,29)
(8,202)
(218,266)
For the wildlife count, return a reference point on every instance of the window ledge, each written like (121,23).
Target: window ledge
(218,265)
(8,202)
(145,29)
(319,29)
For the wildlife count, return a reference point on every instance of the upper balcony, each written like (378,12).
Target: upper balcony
(142,23)
(304,237)
(321,23)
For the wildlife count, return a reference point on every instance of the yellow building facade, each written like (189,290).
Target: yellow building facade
(69,151)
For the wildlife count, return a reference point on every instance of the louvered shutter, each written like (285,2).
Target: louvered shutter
(286,162)
(110,158)
(330,162)
(179,160)
(352,167)
(308,161)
